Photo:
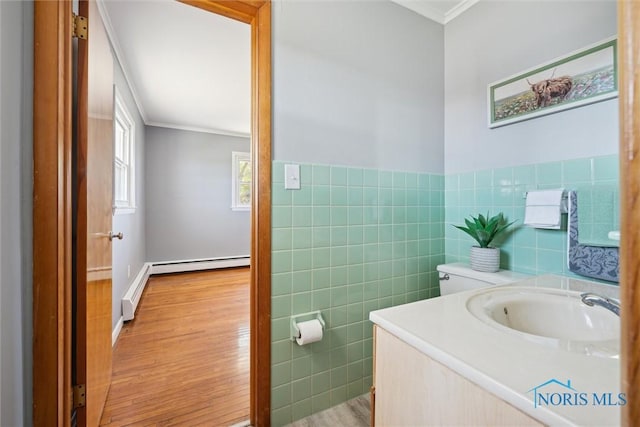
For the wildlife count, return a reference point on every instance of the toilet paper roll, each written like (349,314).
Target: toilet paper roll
(310,331)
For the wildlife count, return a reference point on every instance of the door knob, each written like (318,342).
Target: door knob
(113,235)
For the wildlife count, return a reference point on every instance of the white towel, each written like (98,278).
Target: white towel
(544,208)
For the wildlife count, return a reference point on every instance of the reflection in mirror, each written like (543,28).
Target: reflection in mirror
(595,261)
(599,223)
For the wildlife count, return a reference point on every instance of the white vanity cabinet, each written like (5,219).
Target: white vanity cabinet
(412,389)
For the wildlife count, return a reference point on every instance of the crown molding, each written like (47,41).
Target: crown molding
(458,9)
(120,57)
(422,7)
(200,129)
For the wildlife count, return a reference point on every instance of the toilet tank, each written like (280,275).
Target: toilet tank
(459,277)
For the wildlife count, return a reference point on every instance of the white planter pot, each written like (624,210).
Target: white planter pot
(485,259)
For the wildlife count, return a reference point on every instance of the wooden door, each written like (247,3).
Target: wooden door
(95,194)
(628,61)
(52,210)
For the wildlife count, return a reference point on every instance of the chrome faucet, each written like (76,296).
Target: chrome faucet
(610,304)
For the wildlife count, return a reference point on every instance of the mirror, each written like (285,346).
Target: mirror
(599,218)
(595,261)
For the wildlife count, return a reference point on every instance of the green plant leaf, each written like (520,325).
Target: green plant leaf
(483,229)
(478,224)
(482,220)
(493,222)
(483,238)
(470,232)
(470,224)
(492,226)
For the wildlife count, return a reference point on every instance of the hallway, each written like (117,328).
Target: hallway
(184,359)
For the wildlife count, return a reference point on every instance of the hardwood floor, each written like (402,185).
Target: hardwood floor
(184,359)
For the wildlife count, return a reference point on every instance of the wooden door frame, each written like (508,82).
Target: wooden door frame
(52,257)
(52,206)
(629,102)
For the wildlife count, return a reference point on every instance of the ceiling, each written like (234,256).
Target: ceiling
(187,68)
(207,86)
(441,11)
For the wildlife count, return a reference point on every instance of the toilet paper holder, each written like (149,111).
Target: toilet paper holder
(295,331)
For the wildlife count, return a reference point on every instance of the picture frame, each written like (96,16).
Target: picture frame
(574,80)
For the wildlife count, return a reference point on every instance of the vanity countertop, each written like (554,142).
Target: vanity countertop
(508,365)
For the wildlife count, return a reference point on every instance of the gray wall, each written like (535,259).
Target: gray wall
(493,40)
(357,84)
(131,250)
(343,94)
(2,37)
(16,76)
(188,196)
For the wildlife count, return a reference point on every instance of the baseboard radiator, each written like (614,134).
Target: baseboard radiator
(131,299)
(199,264)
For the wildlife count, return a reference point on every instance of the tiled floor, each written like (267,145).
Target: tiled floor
(354,413)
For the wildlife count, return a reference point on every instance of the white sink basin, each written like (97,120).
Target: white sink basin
(551,317)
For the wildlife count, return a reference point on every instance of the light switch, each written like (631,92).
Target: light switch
(291,177)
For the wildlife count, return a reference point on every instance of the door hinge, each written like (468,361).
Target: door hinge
(80,27)
(79,396)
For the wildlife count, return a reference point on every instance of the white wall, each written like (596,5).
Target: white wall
(496,39)
(16,78)
(130,251)
(357,85)
(188,188)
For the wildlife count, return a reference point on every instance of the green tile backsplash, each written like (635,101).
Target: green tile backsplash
(527,250)
(350,241)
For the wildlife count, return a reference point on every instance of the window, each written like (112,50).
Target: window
(123,159)
(241,181)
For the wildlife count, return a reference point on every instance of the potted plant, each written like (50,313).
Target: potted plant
(484,230)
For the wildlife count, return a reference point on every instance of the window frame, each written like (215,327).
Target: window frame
(236,157)
(121,115)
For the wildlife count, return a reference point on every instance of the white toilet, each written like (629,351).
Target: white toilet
(459,277)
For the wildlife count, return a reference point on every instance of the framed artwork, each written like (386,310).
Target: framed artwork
(580,78)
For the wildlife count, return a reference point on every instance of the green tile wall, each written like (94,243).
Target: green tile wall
(526,250)
(599,214)
(349,241)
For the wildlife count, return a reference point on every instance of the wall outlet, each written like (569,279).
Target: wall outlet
(128,271)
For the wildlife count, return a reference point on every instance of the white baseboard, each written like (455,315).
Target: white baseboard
(199,264)
(116,331)
(132,296)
